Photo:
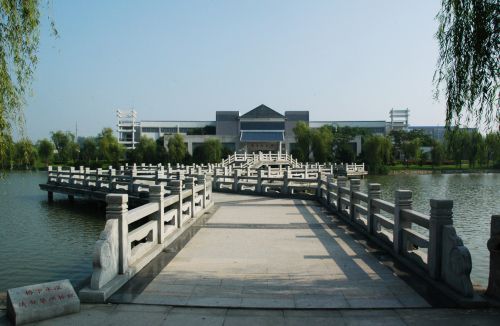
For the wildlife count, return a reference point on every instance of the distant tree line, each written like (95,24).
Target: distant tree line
(329,144)
(104,149)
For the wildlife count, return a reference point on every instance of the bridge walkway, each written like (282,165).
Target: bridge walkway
(260,252)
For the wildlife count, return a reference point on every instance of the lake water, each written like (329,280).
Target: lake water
(41,242)
(475,198)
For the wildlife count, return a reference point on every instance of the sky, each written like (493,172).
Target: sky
(183,60)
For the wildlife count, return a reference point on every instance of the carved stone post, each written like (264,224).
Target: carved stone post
(117,208)
(319,188)
(190,184)
(71,179)
(156,194)
(258,186)
(175,187)
(236,177)
(49,173)
(329,189)
(355,185)
(341,182)
(374,192)
(86,177)
(441,214)
(402,200)
(494,248)
(112,179)
(286,175)
(202,180)
(98,173)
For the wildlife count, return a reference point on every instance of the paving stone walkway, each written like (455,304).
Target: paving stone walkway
(259,252)
(151,315)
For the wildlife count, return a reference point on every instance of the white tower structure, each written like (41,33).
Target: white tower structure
(127,126)
(399,119)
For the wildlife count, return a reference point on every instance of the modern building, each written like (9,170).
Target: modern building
(260,129)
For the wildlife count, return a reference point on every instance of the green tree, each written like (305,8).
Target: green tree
(456,142)
(322,142)
(474,146)
(437,153)
(177,149)
(209,152)
(145,152)
(7,159)
(109,148)
(492,148)
(303,141)
(468,63)
(45,150)
(377,153)
(342,148)
(88,150)
(411,149)
(67,149)
(19,40)
(225,152)
(25,154)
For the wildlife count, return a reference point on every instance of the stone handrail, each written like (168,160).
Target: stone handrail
(132,238)
(424,243)
(427,244)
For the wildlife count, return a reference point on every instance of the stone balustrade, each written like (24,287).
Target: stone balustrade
(425,243)
(133,237)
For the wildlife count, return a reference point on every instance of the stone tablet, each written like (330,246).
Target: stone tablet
(41,301)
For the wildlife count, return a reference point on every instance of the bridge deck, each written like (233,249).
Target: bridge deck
(273,253)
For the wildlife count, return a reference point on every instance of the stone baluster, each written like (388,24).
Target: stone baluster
(355,185)
(86,177)
(286,176)
(112,179)
(82,175)
(441,215)
(329,189)
(71,179)
(402,200)
(190,184)
(175,187)
(236,178)
(494,248)
(374,192)
(98,173)
(117,208)
(156,194)
(58,174)
(258,186)
(341,182)
(306,171)
(202,180)
(49,173)
(319,181)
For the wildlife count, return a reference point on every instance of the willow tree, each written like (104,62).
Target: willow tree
(19,39)
(468,64)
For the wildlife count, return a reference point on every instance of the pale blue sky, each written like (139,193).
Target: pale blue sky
(341,60)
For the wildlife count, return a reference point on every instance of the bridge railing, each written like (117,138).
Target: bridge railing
(132,238)
(427,244)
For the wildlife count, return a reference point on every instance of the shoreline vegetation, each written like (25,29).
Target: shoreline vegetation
(445,169)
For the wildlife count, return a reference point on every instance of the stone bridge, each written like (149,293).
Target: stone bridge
(205,236)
